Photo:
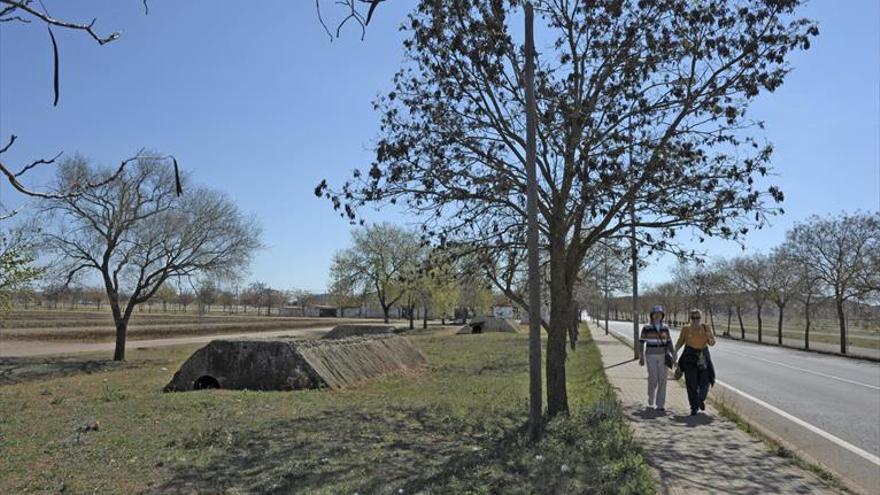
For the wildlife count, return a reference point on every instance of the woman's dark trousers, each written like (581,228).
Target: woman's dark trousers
(697,381)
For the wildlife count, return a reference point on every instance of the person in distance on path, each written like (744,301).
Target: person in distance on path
(696,362)
(654,343)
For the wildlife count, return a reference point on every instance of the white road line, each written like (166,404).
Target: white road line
(805,370)
(822,433)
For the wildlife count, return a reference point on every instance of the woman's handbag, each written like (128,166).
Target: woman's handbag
(670,361)
(668,358)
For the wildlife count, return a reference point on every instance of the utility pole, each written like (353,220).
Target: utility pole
(535,398)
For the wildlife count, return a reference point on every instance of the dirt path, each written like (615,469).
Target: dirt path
(43,348)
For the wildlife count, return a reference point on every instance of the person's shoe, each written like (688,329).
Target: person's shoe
(693,412)
(661,409)
(702,406)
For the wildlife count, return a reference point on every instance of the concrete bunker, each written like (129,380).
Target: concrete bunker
(344,331)
(485,324)
(294,364)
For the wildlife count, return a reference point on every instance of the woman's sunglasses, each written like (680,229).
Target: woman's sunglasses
(695,317)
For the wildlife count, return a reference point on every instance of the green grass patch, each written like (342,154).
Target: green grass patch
(457,428)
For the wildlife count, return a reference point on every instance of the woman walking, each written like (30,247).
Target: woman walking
(654,344)
(696,362)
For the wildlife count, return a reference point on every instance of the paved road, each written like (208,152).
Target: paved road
(43,348)
(835,395)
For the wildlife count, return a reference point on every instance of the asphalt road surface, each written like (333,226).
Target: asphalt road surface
(827,407)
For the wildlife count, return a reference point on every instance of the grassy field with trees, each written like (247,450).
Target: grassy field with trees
(453,429)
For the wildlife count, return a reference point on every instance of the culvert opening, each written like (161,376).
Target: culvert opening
(205,382)
(477,328)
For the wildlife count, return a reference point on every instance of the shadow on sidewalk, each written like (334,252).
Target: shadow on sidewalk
(619,364)
(647,413)
(692,421)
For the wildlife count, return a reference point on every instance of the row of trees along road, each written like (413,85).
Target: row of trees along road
(829,261)
(207,294)
(640,104)
(393,264)
(135,233)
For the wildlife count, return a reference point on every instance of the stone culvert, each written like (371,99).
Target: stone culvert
(290,364)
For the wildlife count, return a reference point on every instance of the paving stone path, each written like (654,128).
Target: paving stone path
(697,454)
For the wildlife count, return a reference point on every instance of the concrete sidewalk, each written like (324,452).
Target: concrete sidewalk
(697,454)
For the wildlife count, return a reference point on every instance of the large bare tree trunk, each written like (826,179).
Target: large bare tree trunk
(760,324)
(807,328)
(779,323)
(119,350)
(729,317)
(742,328)
(560,300)
(557,395)
(841,319)
(120,320)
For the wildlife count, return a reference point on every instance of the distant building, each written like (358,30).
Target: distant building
(503,311)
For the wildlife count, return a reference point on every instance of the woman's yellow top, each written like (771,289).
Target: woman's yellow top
(697,337)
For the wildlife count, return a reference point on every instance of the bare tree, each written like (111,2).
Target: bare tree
(35,13)
(753,277)
(606,268)
(185,297)
(359,12)
(137,234)
(699,283)
(782,284)
(735,289)
(380,258)
(842,251)
(166,294)
(666,82)
(808,284)
(206,295)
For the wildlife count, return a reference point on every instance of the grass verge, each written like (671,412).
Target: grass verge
(454,429)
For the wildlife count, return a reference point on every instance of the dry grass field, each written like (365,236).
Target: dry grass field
(93,326)
(455,428)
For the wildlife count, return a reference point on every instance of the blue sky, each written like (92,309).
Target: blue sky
(256,101)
